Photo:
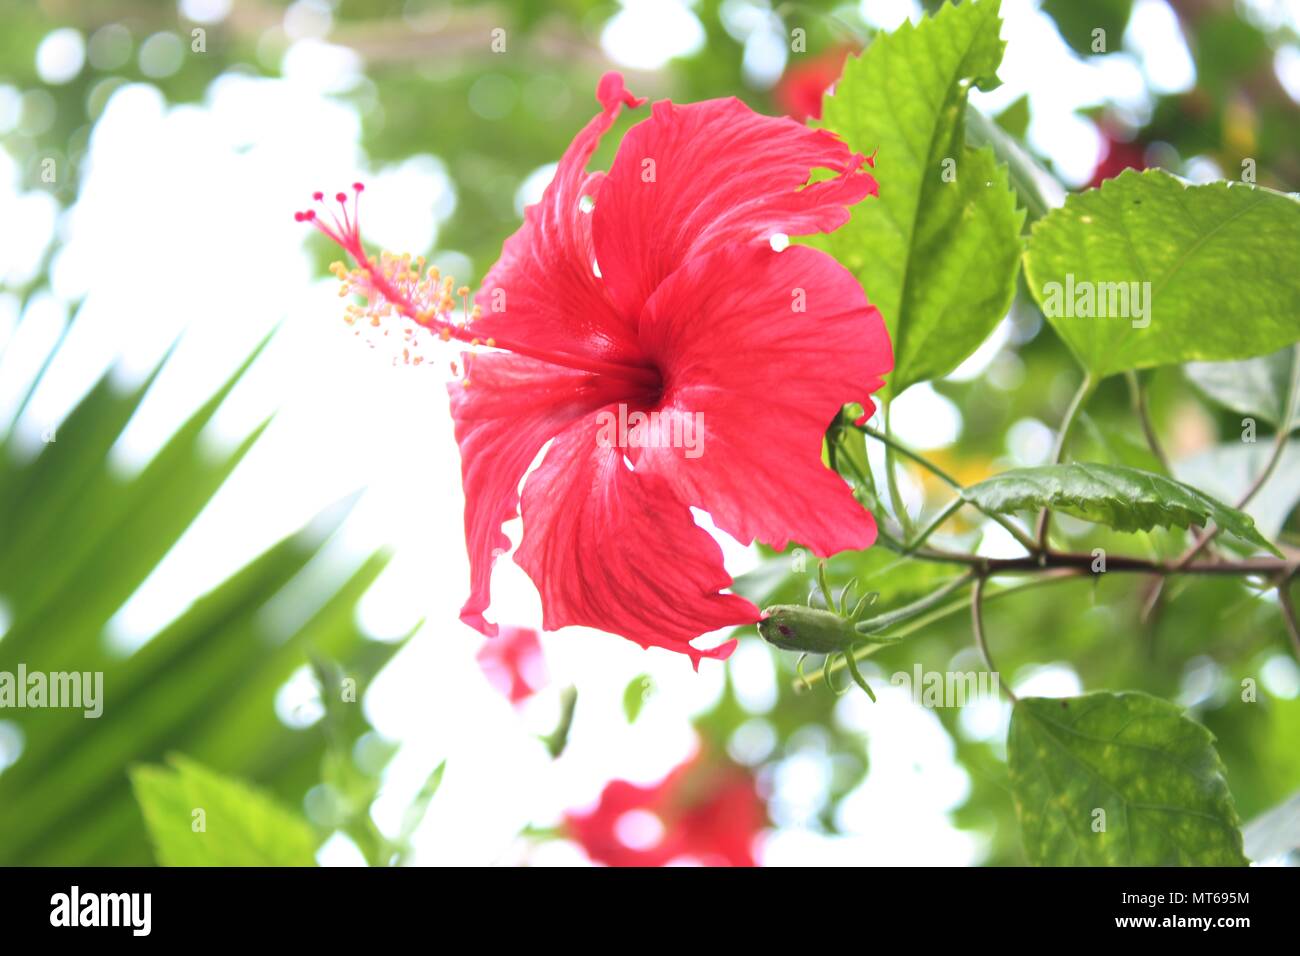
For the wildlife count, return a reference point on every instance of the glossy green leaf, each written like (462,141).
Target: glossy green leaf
(1149,271)
(937,252)
(1125,499)
(200,818)
(1119,780)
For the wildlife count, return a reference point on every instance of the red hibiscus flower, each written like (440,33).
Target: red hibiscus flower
(1117,155)
(800,90)
(647,330)
(702,812)
(513,663)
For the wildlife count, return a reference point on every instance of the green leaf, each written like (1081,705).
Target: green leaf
(635,695)
(205,685)
(1077,19)
(558,738)
(1014,120)
(1125,499)
(419,807)
(241,826)
(1149,271)
(1267,387)
(1037,190)
(938,256)
(1119,780)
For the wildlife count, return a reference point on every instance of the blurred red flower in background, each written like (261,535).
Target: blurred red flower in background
(513,663)
(706,811)
(799,92)
(1117,155)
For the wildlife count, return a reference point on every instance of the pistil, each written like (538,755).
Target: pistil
(389,283)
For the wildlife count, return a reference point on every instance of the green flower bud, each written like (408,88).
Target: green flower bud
(793,627)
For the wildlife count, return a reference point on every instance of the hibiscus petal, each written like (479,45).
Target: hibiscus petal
(761,380)
(614,549)
(513,406)
(544,289)
(693,177)
(513,663)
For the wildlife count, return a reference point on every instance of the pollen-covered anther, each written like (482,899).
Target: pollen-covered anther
(397,286)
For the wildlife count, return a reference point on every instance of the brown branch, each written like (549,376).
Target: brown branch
(1285,567)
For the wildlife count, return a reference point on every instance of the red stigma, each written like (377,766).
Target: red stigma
(318,196)
(341,197)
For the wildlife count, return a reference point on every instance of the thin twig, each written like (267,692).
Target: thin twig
(1275,456)
(894,444)
(891,479)
(938,614)
(1058,451)
(1079,561)
(977,625)
(1138,390)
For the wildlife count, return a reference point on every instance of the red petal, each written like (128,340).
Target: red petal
(722,173)
(513,407)
(513,663)
(543,289)
(614,549)
(763,381)
(711,812)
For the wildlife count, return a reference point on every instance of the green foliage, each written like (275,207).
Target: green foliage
(1078,19)
(558,738)
(1267,387)
(635,695)
(1125,499)
(1226,470)
(205,684)
(1014,120)
(938,250)
(940,257)
(1036,190)
(1214,265)
(419,808)
(200,818)
(1119,780)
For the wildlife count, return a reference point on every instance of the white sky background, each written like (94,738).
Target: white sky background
(184,228)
